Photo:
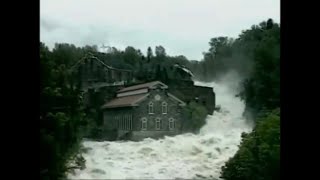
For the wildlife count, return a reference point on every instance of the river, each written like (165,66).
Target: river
(185,156)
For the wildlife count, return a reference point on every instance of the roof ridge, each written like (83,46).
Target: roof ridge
(141,86)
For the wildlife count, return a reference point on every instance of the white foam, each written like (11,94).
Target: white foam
(182,156)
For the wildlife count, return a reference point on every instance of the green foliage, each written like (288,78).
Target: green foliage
(194,117)
(61,111)
(262,88)
(258,157)
(160,52)
(149,54)
(226,54)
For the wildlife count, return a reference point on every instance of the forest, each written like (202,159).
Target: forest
(254,55)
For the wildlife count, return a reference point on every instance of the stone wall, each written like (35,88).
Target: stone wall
(173,111)
(204,95)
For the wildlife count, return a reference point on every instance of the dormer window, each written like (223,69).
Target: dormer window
(164,108)
(151,108)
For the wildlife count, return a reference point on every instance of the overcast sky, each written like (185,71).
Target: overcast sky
(183,27)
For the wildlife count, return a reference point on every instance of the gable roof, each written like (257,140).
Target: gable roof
(129,101)
(142,86)
(125,101)
(177,99)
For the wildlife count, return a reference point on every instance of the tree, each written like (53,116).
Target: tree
(262,89)
(132,56)
(158,73)
(259,154)
(195,117)
(160,52)
(61,111)
(149,54)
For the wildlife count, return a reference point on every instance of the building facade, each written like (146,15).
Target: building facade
(144,110)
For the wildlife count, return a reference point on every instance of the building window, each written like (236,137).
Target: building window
(151,108)
(164,108)
(144,124)
(158,124)
(171,124)
(128,123)
(125,122)
(116,119)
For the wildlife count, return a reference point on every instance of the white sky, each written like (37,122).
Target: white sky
(182,27)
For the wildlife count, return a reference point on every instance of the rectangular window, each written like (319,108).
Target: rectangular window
(171,124)
(158,124)
(120,122)
(150,108)
(125,122)
(164,108)
(144,124)
(117,121)
(130,121)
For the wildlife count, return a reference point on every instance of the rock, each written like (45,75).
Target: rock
(145,150)
(195,150)
(209,155)
(162,170)
(98,171)
(86,149)
(200,176)
(218,108)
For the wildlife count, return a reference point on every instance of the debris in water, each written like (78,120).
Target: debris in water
(86,149)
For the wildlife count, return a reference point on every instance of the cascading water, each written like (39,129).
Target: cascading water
(185,156)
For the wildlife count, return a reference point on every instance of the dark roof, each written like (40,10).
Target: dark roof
(142,86)
(125,101)
(184,69)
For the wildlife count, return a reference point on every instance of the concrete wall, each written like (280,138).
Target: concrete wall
(140,135)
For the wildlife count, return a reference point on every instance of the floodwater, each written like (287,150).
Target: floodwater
(186,156)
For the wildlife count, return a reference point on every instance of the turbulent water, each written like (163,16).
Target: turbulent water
(185,156)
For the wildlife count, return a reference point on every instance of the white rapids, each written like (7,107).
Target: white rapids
(186,156)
